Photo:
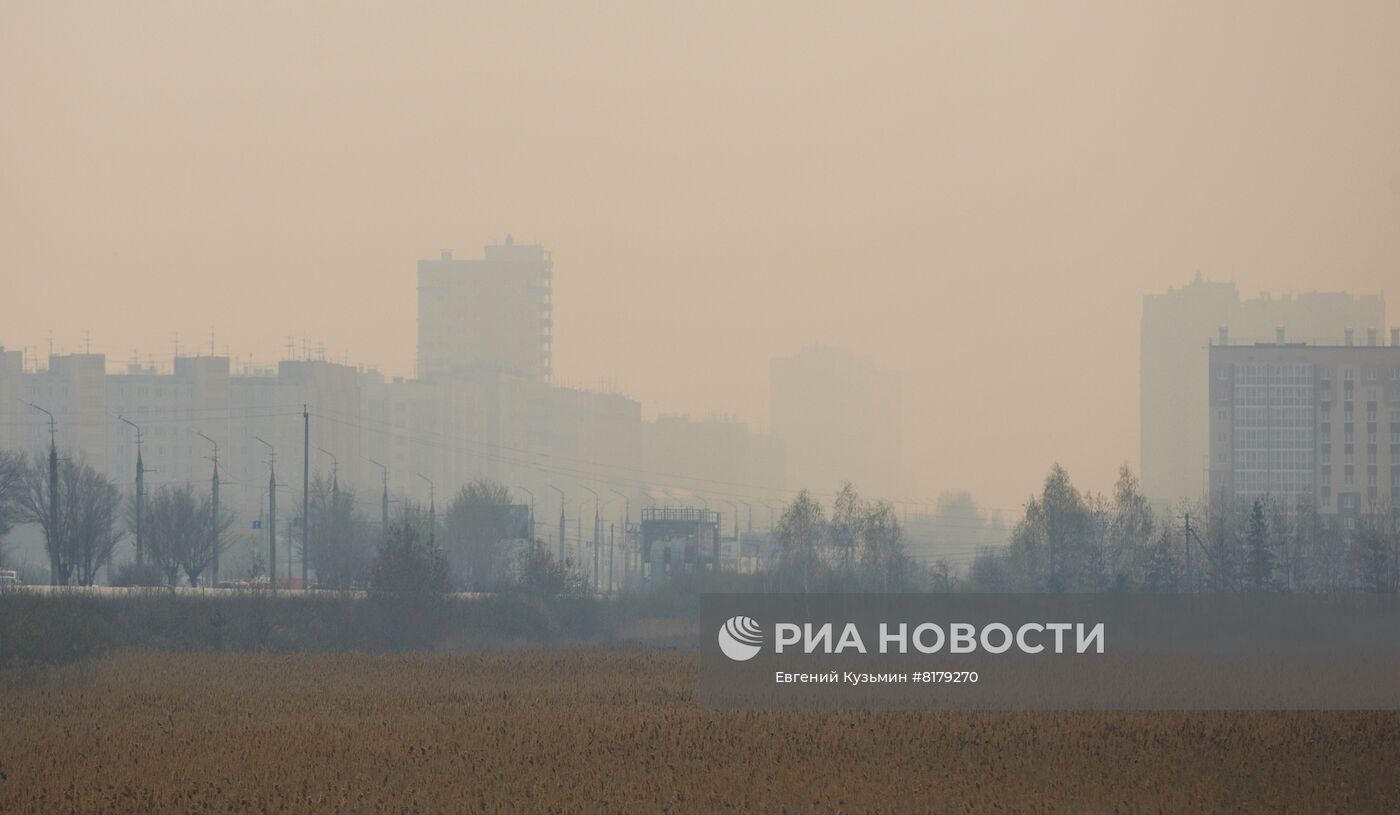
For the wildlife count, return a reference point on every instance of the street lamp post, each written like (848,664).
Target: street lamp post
(596,499)
(562,507)
(626,519)
(271,514)
(141,493)
(213,510)
(384,501)
(432,510)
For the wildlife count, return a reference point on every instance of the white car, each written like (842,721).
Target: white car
(9,577)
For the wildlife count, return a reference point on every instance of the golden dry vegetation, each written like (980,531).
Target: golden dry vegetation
(592,730)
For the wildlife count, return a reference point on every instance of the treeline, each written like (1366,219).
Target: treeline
(472,545)
(859,546)
(1073,541)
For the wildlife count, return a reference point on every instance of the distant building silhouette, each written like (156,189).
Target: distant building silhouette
(482,407)
(1178,327)
(494,313)
(839,417)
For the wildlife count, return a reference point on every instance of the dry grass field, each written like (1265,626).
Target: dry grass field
(571,731)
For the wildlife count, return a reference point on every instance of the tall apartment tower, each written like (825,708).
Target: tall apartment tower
(1177,329)
(493,313)
(839,417)
(1291,421)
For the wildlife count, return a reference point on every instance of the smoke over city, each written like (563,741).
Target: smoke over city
(476,328)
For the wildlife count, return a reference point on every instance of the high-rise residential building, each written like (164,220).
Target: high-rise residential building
(1292,421)
(492,313)
(1178,327)
(483,409)
(839,416)
(12,407)
(74,390)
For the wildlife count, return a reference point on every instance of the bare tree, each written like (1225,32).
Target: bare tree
(479,524)
(201,549)
(11,482)
(342,541)
(1132,531)
(801,537)
(884,563)
(86,531)
(177,531)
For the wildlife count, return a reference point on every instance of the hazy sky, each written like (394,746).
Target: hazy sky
(976,194)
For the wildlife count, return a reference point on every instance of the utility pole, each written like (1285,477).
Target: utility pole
(561,521)
(140,496)
(305,493)
(612,530)
(334,507)
(734,505)
(52,531)
(596,576)
(432,510)
(1191,535)
(271,514)
(214,510)
(384,501)
(1187,537)
(626,518)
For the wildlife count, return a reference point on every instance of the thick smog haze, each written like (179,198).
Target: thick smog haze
(976,195)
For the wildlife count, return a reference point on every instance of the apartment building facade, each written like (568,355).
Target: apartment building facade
(1177,329)
(1295,422)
